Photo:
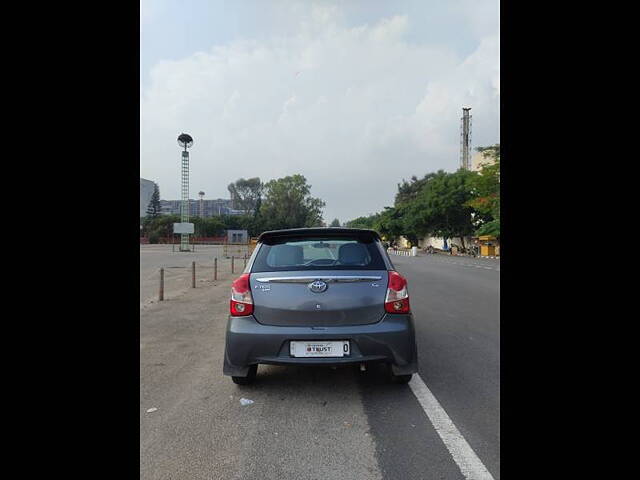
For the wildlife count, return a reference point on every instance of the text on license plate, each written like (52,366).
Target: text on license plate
(338,348)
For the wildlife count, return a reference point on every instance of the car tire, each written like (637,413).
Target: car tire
(251,376)
(400,379)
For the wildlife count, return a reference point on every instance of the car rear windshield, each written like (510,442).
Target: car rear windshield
(318,253)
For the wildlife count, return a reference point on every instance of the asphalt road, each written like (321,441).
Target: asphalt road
(456,305)
(320,423)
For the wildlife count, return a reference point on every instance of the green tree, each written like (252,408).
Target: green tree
(439,208)
(490,228)
(409,191)
(153,209)
(363,222)
(436,204)
(288,204)
(485,188)
(446,200)
(389,224)
(414,220)
(159,227)
(335,223)
(208,227)
(246,193)
(449,205)
(256,210)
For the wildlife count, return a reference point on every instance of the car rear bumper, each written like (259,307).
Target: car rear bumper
(390,340)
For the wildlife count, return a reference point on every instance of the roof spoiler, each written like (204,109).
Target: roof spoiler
(326,231)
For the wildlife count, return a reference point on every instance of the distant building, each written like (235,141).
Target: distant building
(237,236)
(211,208)
(478,159)
(146,192)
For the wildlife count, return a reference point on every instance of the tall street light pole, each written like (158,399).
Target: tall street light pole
(185,141)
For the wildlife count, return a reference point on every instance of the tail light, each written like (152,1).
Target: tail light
(241,299)
(397,300)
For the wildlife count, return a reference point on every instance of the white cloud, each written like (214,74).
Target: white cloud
(149,10)
(483,16)
(354,109)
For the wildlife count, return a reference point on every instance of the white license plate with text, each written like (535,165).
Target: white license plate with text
(334,348)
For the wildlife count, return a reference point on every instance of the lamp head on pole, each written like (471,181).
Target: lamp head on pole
(185,140)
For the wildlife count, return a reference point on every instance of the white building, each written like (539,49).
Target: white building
(478,159)
(210,208)
(237,236)
(435,242)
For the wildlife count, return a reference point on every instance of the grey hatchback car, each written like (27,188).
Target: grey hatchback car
(319,296)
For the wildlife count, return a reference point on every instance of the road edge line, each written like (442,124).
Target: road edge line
(468,462)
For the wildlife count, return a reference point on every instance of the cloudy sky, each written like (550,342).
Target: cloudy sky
(354,95)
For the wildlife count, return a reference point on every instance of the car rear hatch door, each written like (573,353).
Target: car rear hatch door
(319,297)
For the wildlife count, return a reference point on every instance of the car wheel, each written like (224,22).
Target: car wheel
(251,376)
(399,379)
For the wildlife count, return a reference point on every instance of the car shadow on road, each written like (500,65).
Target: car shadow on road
(277,377)
(376,376)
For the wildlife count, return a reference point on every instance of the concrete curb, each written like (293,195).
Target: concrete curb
(401,253)
(404,253)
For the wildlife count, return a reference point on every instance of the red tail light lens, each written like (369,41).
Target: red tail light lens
(397,300)
(241,299)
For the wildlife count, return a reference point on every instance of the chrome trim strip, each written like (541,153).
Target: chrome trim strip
(326,279)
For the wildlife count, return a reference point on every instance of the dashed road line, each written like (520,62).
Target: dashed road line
(450,262)
(468,462)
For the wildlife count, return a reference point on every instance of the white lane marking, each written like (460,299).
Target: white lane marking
(468,462)
(448,262)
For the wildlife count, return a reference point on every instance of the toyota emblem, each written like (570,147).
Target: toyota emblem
(318,286)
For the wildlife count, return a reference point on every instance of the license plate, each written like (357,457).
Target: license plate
(319,349)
